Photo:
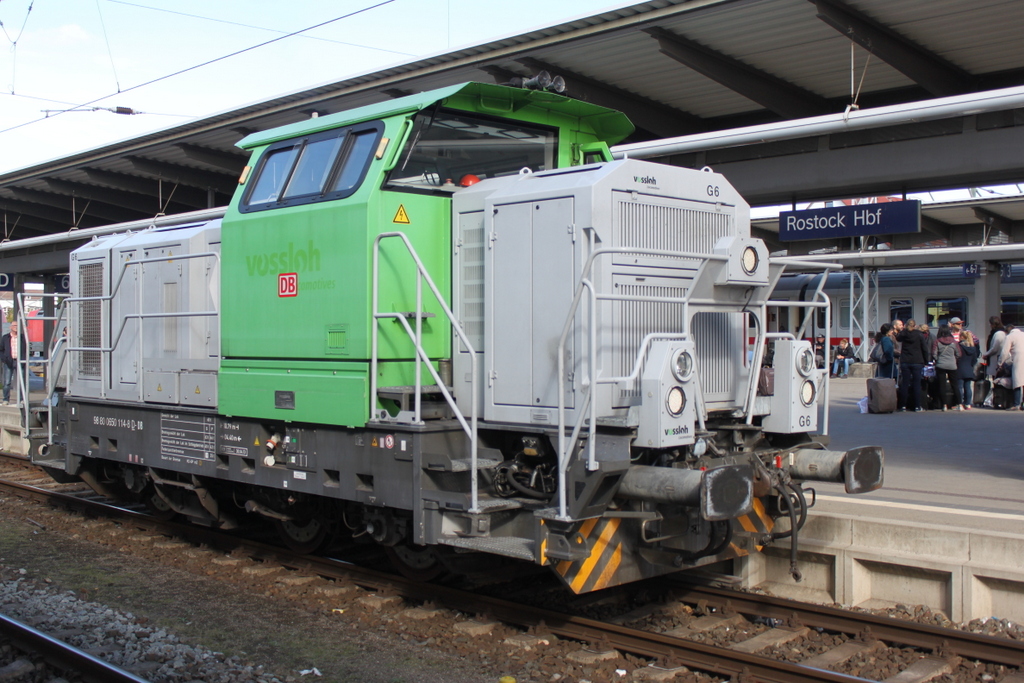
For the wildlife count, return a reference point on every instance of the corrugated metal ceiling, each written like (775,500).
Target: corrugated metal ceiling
(781,43)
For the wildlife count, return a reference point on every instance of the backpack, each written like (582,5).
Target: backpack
(877,354)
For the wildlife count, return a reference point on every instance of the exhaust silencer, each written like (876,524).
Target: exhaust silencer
(860,469)
(721,493)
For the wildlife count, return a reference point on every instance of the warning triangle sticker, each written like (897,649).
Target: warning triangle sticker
(401,216)
(197,389)
(373,443)
(257,441)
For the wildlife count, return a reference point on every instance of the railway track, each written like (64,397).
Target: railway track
(36,645)
(781,621)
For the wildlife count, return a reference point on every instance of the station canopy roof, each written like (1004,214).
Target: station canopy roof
(675,67)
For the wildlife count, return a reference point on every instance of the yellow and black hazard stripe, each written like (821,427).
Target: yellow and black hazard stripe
(758,522)
(605,539)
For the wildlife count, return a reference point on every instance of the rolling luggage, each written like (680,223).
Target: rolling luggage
(1002,398)
(981,389)
(881,395)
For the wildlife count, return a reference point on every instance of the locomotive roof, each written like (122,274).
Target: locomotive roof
(609,125)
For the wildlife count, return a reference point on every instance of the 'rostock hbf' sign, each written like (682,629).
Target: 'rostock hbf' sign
(850,221)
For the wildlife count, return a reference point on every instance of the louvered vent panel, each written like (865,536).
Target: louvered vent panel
(472,313)
(671,228)
(90,279)
(639,318)
(716,351)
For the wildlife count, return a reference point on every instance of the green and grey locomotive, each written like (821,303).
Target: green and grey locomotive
(448,323)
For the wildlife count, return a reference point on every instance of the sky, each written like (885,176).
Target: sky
(86,54)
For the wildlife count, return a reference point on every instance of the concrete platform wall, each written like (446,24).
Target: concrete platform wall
(964,573)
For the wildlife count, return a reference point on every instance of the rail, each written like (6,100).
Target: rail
(422,358)
(64,656)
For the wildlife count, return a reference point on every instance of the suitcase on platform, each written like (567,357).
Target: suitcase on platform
(881,395)
(981,389)
(1002,398)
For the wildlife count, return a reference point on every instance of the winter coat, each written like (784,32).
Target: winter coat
(914,351)
(995,349)
(968,359)
(887,368)
(946,353)
(1013,351)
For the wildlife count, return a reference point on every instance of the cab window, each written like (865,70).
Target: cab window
(447,150)
(321,167)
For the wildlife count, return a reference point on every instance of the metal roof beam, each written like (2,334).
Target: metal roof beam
(186,195)
(645,113)
(223,183)
(933,73)
(936,227)
(782,97)
(17,225)
(228,161)
(126,200)
(75,209)
(993,220)
(60,218)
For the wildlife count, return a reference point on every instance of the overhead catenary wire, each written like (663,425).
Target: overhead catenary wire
(258,28)
(106,39)
(14,44)
(208,62)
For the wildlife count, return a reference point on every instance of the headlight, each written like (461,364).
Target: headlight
(675,401)
(682,366)
(807,392)
(805,361)
(749,260)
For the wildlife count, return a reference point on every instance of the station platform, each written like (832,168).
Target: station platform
(945,530)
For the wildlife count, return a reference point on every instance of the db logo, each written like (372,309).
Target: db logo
(288,284)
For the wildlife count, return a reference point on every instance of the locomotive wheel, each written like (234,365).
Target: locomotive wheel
(157,506)
(416,562)
(304,536)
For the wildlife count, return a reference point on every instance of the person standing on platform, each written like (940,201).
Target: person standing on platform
(996,337)
(913,356)
(965,367)
(1013,352)
(956,326)
(946,352)
(887,365)
(820,349)
(10,350)
(897,328)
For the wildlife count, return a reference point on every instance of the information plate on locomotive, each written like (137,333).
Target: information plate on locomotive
(187,437)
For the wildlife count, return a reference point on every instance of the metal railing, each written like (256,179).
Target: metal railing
(422,358)
(59,346)
(588,409)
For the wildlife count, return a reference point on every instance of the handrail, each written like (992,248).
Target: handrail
(588,408)
(63,345)
(422,275)
(587,383)
(107,298)
(24,371)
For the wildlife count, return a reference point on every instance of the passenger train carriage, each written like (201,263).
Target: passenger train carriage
(451,323)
